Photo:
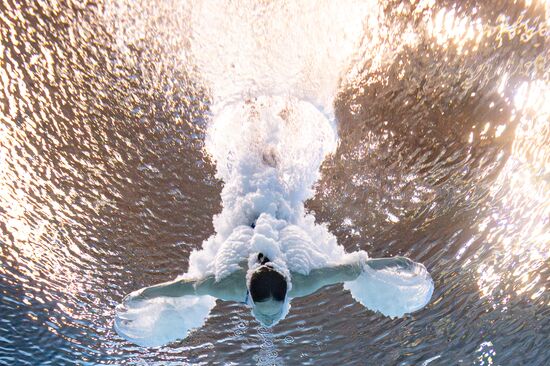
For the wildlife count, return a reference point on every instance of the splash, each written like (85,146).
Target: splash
(268,152)
(273,72)
(162,320)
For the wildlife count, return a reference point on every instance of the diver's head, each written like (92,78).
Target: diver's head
(268,292)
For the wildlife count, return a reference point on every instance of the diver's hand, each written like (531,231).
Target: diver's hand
(135,297)
(399,263)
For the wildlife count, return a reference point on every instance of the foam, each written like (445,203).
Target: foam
(158,321)
(398,291)
(268,152)
(273,73)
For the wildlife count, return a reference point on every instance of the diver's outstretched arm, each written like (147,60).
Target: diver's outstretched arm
(175,288)
(230,288)
(303,285)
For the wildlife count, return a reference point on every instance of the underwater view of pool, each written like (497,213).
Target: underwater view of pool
(144,140)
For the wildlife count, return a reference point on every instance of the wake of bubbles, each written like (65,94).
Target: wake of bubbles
(273,72)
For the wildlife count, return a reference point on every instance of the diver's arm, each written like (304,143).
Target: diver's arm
(175,288)
(303,285)
(229,288)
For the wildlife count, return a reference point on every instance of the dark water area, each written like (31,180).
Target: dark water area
(105,187)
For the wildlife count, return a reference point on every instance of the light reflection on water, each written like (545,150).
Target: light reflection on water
(105,186)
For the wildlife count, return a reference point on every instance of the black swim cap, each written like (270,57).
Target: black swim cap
(267,283)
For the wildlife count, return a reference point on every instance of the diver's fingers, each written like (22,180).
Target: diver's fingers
(396,263)
(127,311)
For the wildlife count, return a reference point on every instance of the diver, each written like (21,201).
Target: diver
(268,291)
(266,252)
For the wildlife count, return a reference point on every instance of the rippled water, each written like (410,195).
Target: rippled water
(105,185)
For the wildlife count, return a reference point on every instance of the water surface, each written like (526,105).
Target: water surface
(105,185)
